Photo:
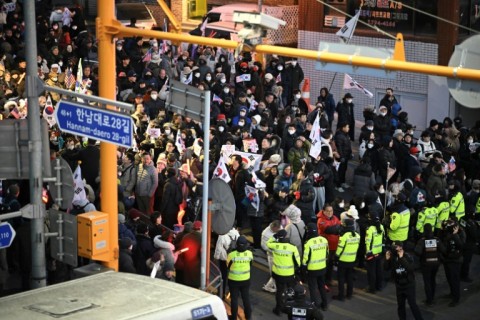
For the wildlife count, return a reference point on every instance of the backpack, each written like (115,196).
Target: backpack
(77,209)
(233,244)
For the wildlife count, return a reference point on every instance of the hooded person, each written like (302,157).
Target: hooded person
(125,261)
(224,243)
(296,227)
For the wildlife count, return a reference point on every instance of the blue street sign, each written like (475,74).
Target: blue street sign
(7,234)
(99,124)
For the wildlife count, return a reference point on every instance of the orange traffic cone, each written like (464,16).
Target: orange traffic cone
(306,94)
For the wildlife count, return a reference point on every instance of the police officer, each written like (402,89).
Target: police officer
(403,272)
(426,215)
(346,254)
(374,243)
(453,258)
(315,253)
(457,203)
(239,262)
(286,260)
(443,209)
(399,220)
(300,308)
(429,249)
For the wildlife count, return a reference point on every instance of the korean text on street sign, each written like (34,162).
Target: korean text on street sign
(7,234)
(94,123)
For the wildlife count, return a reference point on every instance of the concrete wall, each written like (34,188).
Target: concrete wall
(404,82)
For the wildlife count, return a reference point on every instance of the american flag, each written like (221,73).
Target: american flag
(15,113)
(69,79)
(217,98)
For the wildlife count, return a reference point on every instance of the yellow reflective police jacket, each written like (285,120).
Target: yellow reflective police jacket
(285,257)
(239,265)
(315,253)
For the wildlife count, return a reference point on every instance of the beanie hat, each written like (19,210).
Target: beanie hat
(275,159)
(414,150)
(134,213)
(353,212)
(121,218)
(257,118)
(197,225)
(476,184)
(293,213)
(168,266)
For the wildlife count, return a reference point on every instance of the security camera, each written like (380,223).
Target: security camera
(257,19)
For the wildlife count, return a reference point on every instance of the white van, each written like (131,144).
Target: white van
(113,295)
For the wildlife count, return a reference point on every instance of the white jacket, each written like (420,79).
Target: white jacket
(223,243)
(426,151)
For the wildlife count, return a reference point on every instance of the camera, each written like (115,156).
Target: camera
(449,226)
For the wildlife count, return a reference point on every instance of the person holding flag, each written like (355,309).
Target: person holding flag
(80,203)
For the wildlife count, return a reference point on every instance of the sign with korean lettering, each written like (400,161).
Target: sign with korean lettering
(94,123)
(384,13)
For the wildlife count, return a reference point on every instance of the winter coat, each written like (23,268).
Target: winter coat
(296,236)
(172,197)
(329,103)
(125,261)
(344,146)
(305,203)
(345,112)
(223,243)
(297,155)
(147,180)
(382,126)
(166,249)
(124,232)
(386,159)
(320,174)
(436,182)
(143,251)
(329,229)
(363,179)
(282,181)
(128,179)
(426,151)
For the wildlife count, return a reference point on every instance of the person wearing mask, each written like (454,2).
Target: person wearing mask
(382,122)
(346,255)
(344,148)
(293,77)
(300,308)
(374,242)
(314,263)
(326,98)
(267,233)
(286,260)
(366,131)
(239,263)
(429,249)
(345,114)
(403,272)
(298,154)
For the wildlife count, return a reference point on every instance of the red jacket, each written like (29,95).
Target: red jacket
(323,223)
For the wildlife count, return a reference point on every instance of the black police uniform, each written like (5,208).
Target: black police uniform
(452,262)
(403,272)
(299,308)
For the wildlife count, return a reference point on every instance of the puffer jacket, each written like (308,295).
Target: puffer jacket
(329,229)
(305,203)
(223,243)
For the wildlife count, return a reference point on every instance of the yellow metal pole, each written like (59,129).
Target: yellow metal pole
(359,61)
(177,26)
(375,63)
(108,151)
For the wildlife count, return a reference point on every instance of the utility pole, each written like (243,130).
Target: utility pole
(108,151)
(38,278)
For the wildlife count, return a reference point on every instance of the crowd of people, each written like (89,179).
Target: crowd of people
(418,192)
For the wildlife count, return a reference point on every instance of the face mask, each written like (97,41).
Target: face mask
(119,48)
(294,108)
(197,75)
(71,146)
(341,205)
(154,96)
(280,68)
(226,90)
(298,96)
(241,124)
(208,78)
(55,27)
(74,27)
(381,190)
(39,61)
(470,141)
(222,60)
(349,100)
(167,132)
(221,129)
(242,113)
(291,132)
(294,63)
(370,128)
(383,114)
(288,120)
(60,63)
(370,145)
(69,49)
(223,80)
(55,79)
